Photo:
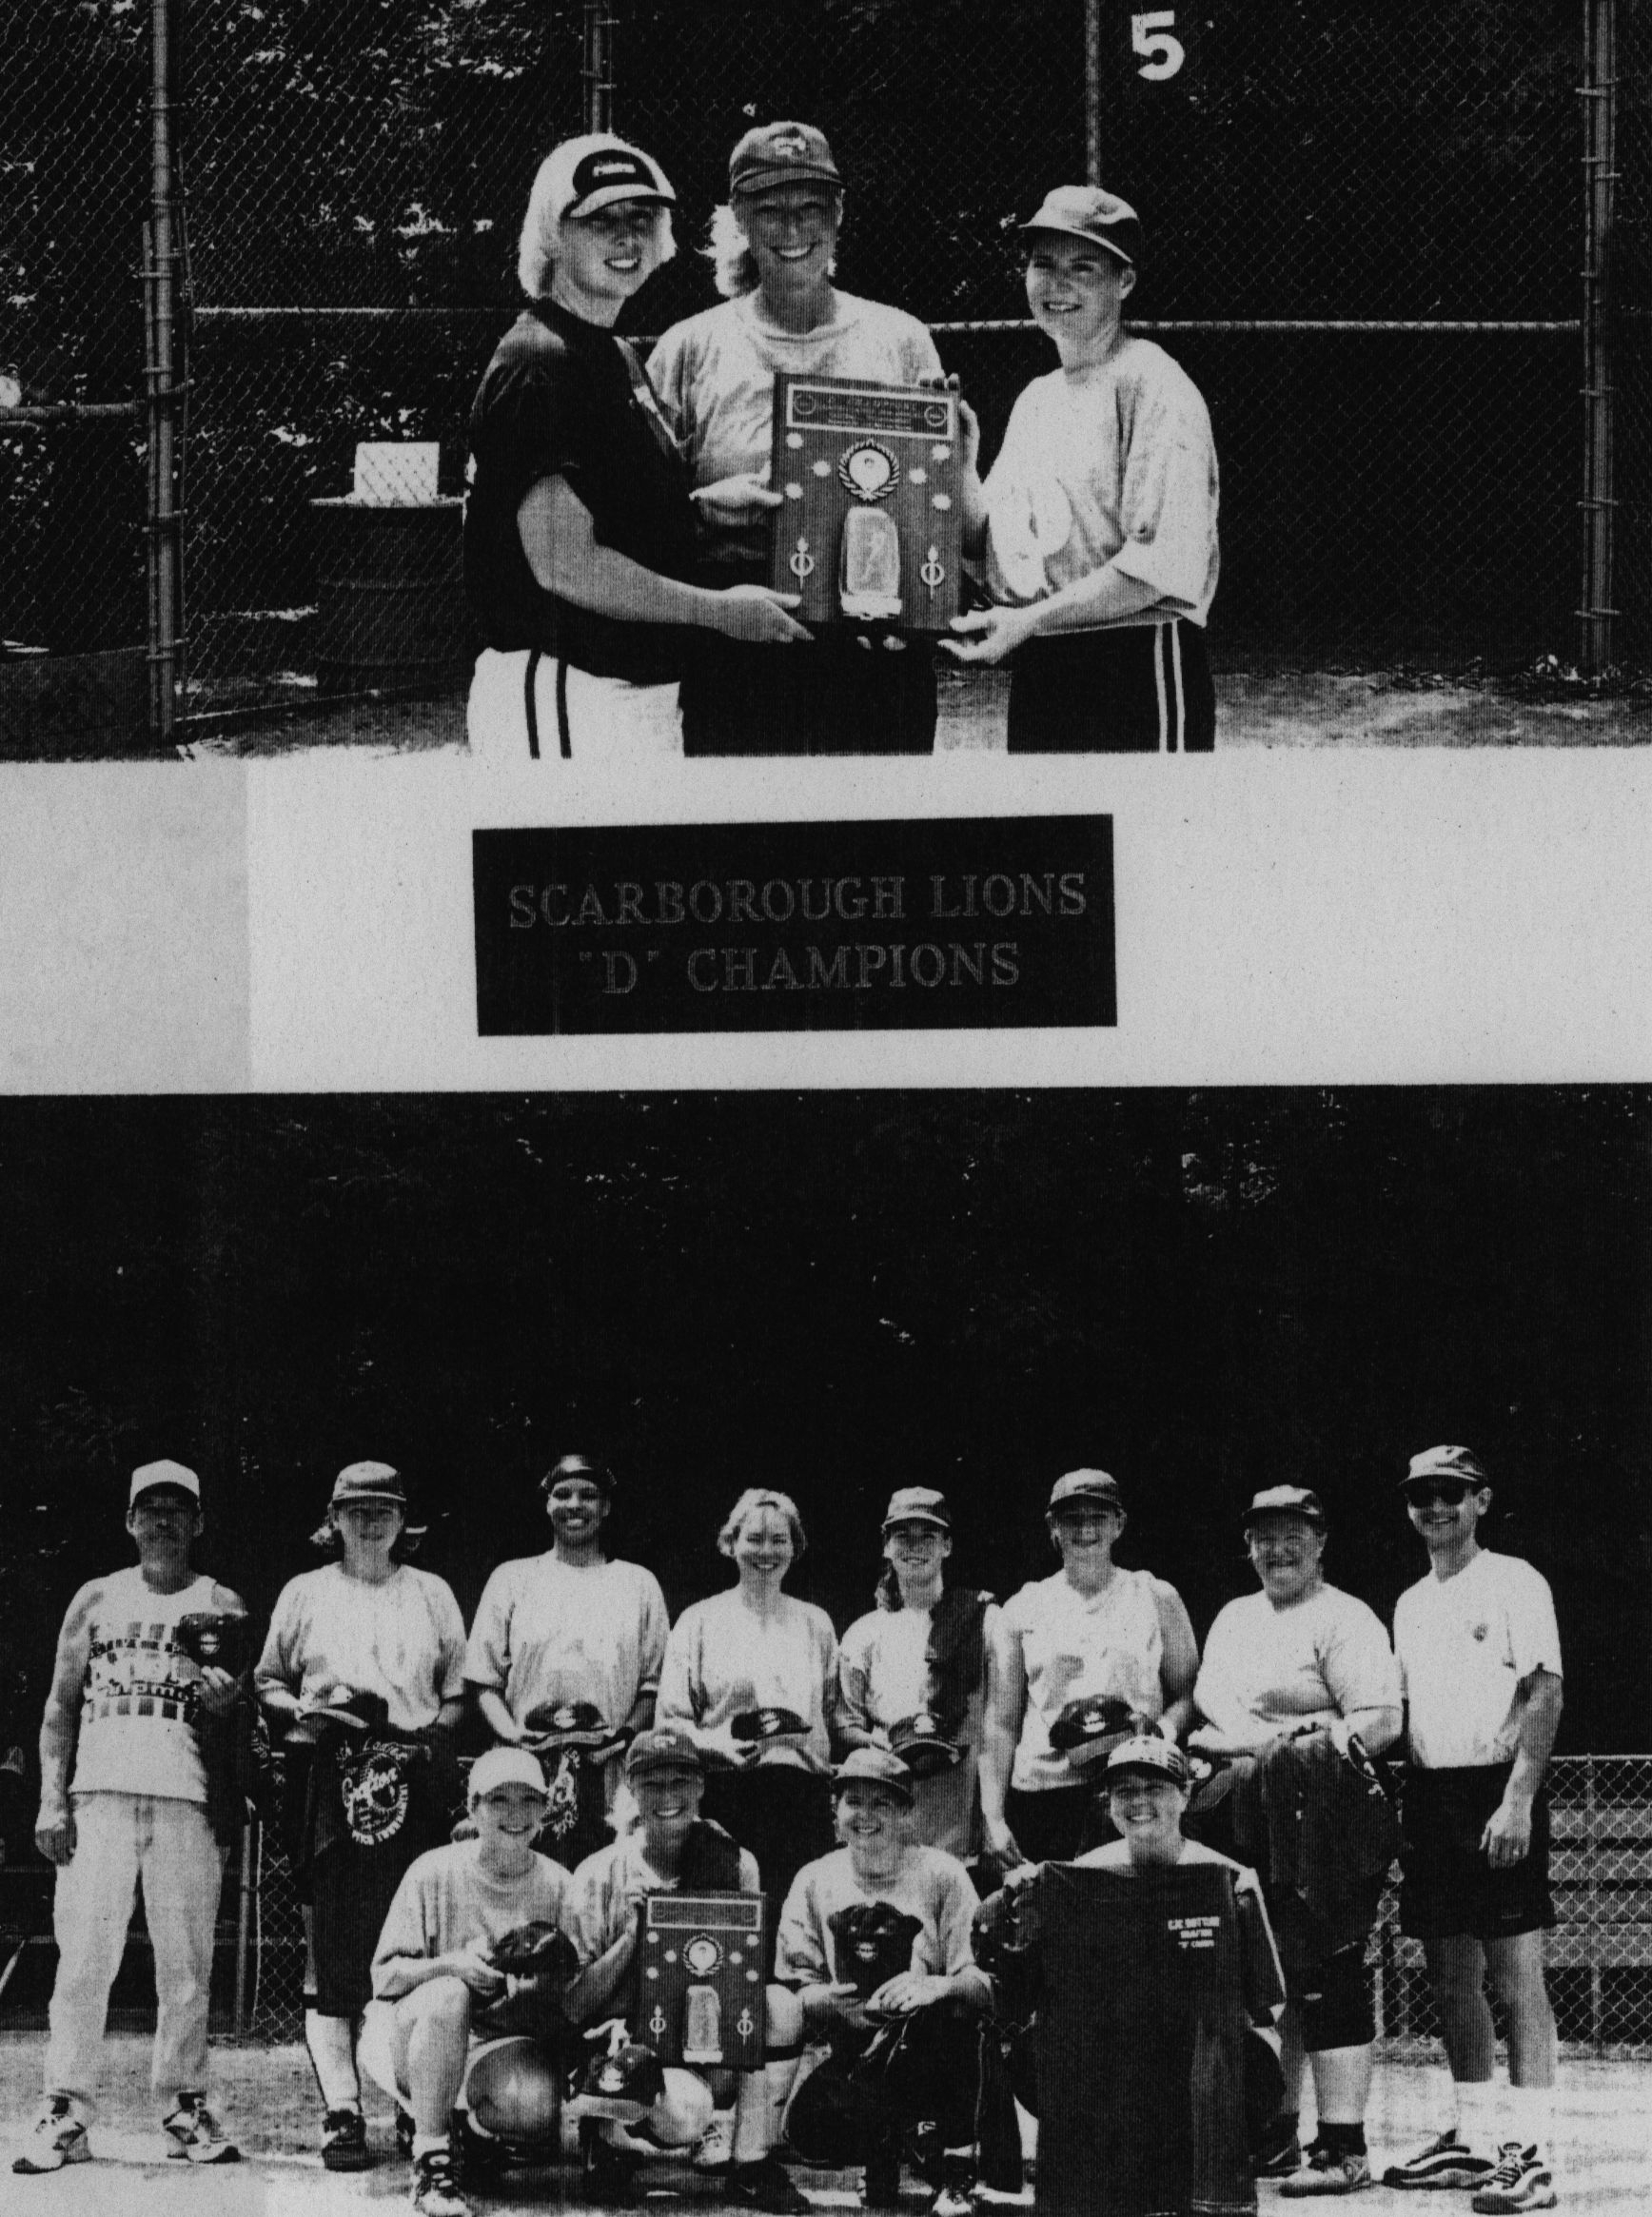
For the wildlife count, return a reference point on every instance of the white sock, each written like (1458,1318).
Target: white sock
(428,2144)
(1531,2109)
(1480,2112)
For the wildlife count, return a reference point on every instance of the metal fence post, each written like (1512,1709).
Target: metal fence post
(1092,92)
(243,1927)
(1599,93)
(596,65)
(160,386)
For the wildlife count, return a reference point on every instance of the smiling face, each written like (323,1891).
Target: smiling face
(917,1551)
(869,1819)
(506,1820)
(602,259)
(763,1546)
(1147,1813)
(1445,1511)
(669,1800)
(1076,292)
(1086,1532)
(793,234)
(576,1507)
(1285,1553)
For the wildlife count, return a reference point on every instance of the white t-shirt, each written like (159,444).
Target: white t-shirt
(550,1631)
(715,373)
(1318,1659)
(140,1703)
(1114,463)
(930,1885)
(1464,1646)
(724,1658)
(446,1901)
(1082,1647)
(403,1640)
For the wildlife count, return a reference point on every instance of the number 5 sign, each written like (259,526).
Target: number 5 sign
(1154,37)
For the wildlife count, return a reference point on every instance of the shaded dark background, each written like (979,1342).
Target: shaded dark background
(835,1294)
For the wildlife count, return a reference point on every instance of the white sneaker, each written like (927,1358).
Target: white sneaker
(1521,2181)
(57,2137)
(717,2143)
(192,2132)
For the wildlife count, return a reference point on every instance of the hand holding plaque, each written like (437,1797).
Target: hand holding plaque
(868,527)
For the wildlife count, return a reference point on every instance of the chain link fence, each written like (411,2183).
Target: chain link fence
(1364,240)
(72,184)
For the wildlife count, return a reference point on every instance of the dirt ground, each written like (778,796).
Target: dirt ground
(1284,708)
(265,2095)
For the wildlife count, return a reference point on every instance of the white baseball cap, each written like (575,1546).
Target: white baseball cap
(503,1766)
(148,1475)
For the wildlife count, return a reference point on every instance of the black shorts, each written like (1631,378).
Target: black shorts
(353,1889)
(1450,1888)
(1142,689)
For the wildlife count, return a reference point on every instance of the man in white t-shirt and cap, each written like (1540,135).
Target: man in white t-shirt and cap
(1480,1659)
(124,1804)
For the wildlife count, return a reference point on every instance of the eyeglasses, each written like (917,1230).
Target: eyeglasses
(1448,1492)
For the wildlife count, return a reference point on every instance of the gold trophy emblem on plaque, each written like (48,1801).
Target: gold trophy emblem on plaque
(868,527)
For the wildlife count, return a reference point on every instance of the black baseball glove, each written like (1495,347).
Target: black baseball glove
(872,1942)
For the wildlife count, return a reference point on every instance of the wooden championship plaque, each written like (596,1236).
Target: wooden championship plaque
(700,1979)
(868,528)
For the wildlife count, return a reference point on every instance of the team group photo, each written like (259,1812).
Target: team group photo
(905,1653)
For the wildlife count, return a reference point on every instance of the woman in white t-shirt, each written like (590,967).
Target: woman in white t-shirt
(1299,1657)
(1079,1661)
(912,1673)
(751,1676)
(774,247)
(363,1669)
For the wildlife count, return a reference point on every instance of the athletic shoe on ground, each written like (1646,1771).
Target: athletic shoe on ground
(57,2137)
(1444,2163)
(767,2186)
(192,2132)
(435,2190)
(716,2146)
(344,2141)
(1279,2154)
(1326,2173)
(953,2201)
(1521,2181)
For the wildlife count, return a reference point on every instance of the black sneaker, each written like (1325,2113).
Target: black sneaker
(1279,2150)
(767,2186)
(607,2179)
(344,2141)
(435,2190)
(1521,2181)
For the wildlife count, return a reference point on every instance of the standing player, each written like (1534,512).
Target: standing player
(127,1799)
(568,1627)
(1480,1659)
(1094,1637)
(1097,523)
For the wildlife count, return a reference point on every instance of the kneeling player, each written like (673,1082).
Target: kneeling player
(432,2033)
(876,1938)
(674,1850)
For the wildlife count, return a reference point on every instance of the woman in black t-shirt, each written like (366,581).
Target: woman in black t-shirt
(578,532)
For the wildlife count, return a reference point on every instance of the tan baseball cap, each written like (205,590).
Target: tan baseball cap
(150,1475)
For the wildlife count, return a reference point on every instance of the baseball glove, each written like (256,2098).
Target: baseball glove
(537,1961)
(872,1942)
(1088,1730)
